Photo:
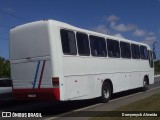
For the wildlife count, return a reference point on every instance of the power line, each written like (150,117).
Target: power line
(18,17)
(8,26)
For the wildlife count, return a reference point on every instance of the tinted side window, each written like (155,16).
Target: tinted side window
(150,56)
(5,83)
(113,48)
(83,44)
(151,59)
(125,50)
(68,42)
(98,46)
(135,51)
(144,52)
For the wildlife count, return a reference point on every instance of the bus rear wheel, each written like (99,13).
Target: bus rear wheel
(106,92)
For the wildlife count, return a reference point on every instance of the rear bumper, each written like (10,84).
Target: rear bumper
(37,94)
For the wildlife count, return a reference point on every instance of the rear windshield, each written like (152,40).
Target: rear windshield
(29,41)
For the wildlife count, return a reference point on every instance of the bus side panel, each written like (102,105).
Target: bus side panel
(76,86)
(95,71)
(125,74)
(135,80)
(151,76)
(117,79)
(98,80)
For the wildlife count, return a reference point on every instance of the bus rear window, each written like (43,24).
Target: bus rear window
(125,50)
(144,52)
(68,42)
(98,46)
(83,44)
(113,48)
(135,51)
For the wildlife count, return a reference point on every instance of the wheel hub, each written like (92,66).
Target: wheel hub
(106,93)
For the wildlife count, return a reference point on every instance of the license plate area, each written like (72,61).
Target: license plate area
(32,95)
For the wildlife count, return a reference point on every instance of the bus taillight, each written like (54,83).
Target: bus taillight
(55,82)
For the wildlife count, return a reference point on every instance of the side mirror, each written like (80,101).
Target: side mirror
(154,56)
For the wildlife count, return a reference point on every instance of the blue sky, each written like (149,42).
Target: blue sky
(138,20)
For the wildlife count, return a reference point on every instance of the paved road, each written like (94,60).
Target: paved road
(55,108)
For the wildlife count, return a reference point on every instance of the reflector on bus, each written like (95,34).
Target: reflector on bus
(55,81)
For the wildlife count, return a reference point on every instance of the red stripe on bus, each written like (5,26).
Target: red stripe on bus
(41,74)
(37,94)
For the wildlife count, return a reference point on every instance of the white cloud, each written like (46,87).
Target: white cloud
(151,33)
(149,36)
(111,17)
(122,27)
(139,33)
(119,35)
(100,29)
(149,40)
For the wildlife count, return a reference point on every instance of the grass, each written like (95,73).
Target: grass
(148,104)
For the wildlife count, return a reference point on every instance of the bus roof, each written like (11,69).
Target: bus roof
(68,26)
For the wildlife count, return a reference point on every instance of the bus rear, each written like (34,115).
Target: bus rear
(31,66)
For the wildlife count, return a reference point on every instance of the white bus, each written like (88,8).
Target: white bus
(55,60)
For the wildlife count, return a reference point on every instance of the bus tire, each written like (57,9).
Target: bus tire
(106,92)
(145,84)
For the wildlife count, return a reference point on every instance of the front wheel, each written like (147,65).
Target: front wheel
(106,92)
(145,84)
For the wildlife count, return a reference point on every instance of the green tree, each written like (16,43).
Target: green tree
(157,67)
(4,68)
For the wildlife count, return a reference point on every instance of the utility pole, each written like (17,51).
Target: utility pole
(154,47)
